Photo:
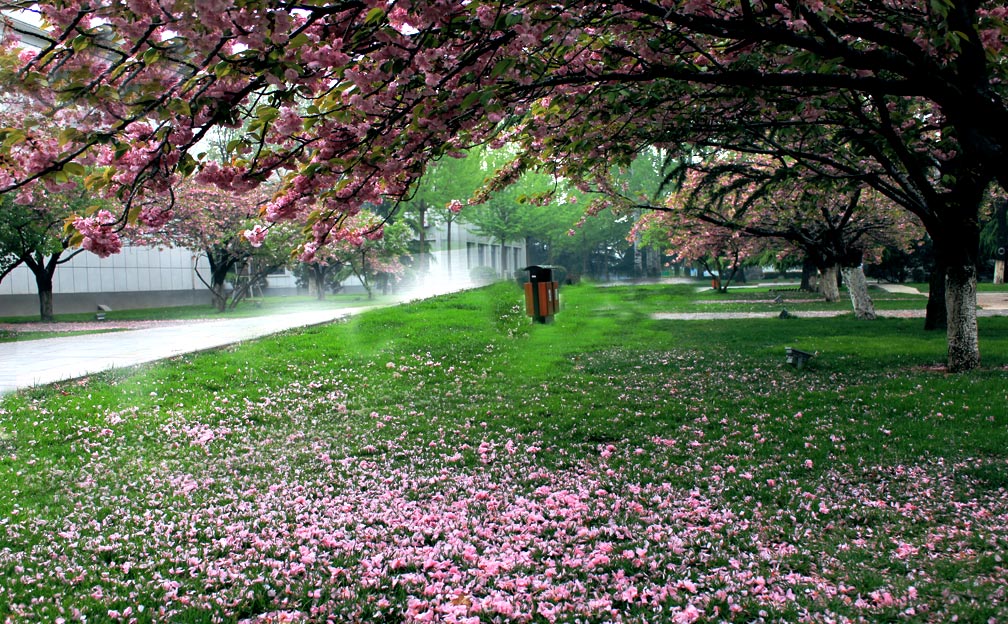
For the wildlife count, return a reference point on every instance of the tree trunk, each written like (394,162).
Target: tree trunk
(654,261)
(808,276)
(362,276)
(960,302)
(1000,240)
(218,290)
(45,296)
(936,316)
(318,279)
(43,272)
(220,262)
(828,283)
(503,260)
(857,287)
(638,261)
(448,248)
(422,231)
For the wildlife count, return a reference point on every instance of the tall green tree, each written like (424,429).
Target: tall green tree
(36,235)
(440,194)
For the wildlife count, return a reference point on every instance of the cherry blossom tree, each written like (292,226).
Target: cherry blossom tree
(833,223)
(326,271)
(45,225)
(225,228)
(374,250)
(37,236)
(348,101)
(721,249)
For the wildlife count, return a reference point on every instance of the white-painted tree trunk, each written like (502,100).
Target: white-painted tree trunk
(960,303)
(857,286)
(828,284)
(999,271)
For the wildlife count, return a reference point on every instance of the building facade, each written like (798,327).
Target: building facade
(143,277)
(469,259)
(137,277)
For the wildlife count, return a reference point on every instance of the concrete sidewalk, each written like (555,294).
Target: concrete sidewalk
(37,362)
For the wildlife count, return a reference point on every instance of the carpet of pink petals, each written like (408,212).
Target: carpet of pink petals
(295,507)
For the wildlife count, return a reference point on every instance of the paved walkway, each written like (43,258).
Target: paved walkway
(37,362)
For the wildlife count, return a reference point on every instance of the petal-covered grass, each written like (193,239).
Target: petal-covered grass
(447,461)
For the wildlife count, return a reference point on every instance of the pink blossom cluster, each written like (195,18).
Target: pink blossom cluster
(256,236)
(155,217)
(100,235)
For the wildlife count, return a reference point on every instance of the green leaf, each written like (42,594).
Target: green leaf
(133,214)
(81,43)
(181,107)
(374,15)
(99,179)
(187,164)
(300,40)
(267,113)
(471,99)
(74,169)
(12,136)
(940,7)
(501,67)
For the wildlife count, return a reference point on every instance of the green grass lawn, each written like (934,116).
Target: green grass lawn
(448,461)
(687,298)
(924,287)
(258,307)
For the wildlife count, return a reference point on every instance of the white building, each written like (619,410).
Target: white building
(137,277)
(468,260)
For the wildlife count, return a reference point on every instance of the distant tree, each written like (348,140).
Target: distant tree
(376,255)
(501,207)
(593,246)
(720,249)
(226,229)
(832,222)
(36,235)
(447,185)
(324,273)
(369,247)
